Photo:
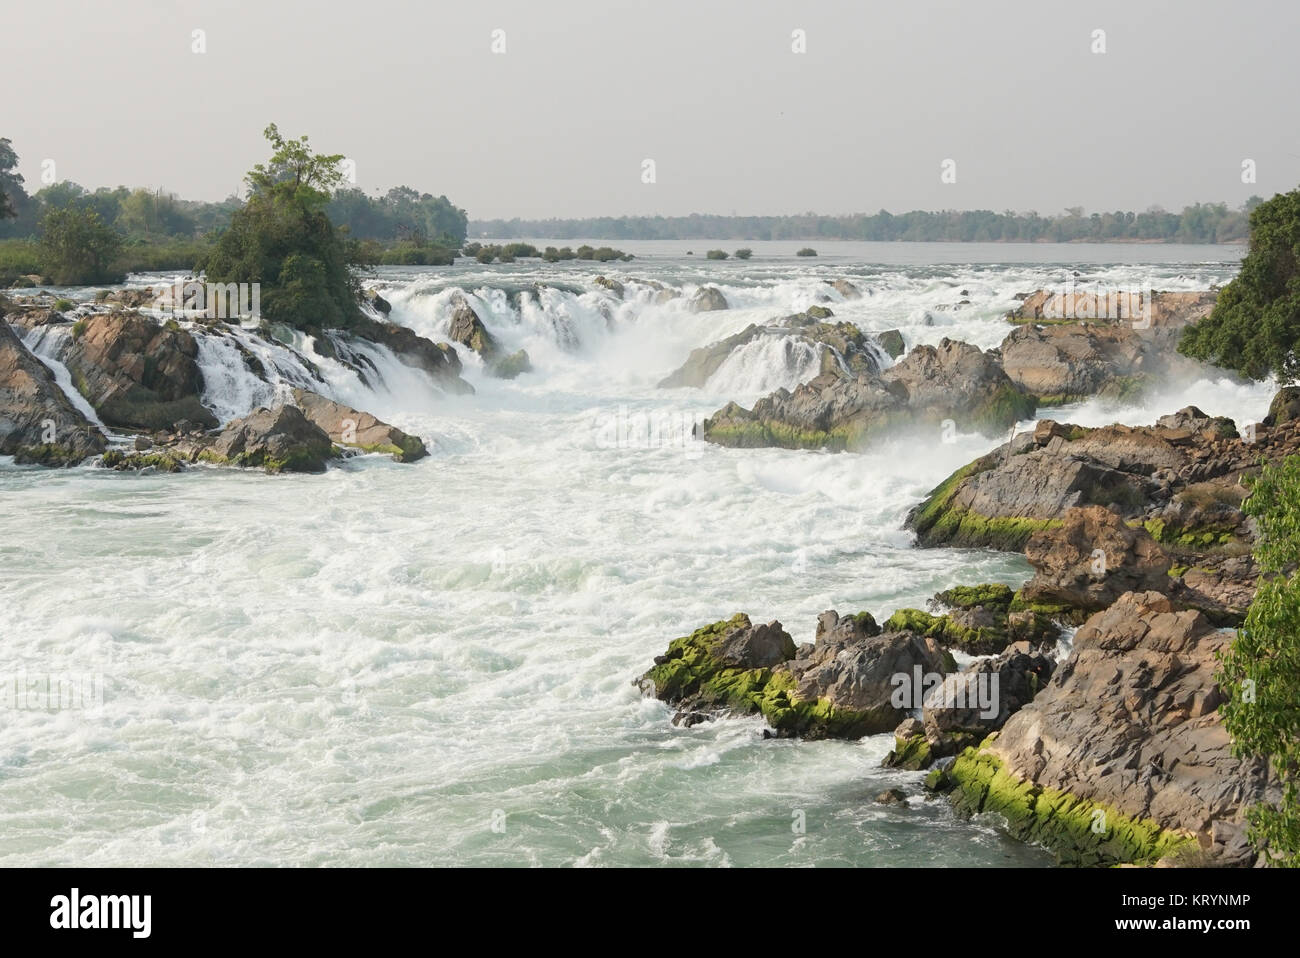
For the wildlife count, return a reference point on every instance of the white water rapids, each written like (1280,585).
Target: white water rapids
(434,663)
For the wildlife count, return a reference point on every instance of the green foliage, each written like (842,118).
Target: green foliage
(401,213)
(1254,328)
(63,305)
(153,214)
(1261,667)
(806,251)
(78,248)
(283,239)
(11,182)
(18,258)
(744,253)
(715,254)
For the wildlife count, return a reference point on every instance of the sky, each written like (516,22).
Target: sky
(560,118)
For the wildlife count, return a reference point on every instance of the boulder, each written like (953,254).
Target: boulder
(707,299)
(38,422)
(439,360)
(468,330)
(376,302)
(891,341)
(846,289)
(360,430)
(277,440)
(1285,406)
(953,381)
(512,366)
(838,687)
(845,349)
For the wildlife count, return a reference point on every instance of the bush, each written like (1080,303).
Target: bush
(1254,328)
(715,254)
(1261,666)
(744,253)
(63,305)
(18,258)
(78,248)
(806,251)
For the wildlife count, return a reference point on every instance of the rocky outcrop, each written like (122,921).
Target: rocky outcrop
(1143,307)
(981,620)
(468,330)
(376,302)
(846,350)
(277,440)
(439,360)
(952,381)
(359,430)
(38,423)
(1180,482)
(1066,363)
(707,299)
(1090,560)
(1123,756)
(840,686)
(137,373)
(846,289)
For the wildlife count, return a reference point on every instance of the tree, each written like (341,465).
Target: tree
(1261,667)
(283,240)
(1255,325)
(78,248)
(11,183)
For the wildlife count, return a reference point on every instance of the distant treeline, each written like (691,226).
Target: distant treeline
(1202,223)
(402,215)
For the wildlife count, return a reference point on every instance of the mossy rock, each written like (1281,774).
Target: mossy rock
(990,594)
(691,672)
(949,634)
(136,461)
(1077,830)
(912,754)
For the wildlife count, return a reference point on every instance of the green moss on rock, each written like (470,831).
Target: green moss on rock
(1078,830)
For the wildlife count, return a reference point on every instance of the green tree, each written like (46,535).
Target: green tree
(283,239)
(11,182)
(78,248)
(1261,667)
(1255,326)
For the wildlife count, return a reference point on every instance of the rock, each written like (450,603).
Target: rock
(613,285)
(1062,364)
(846,289)
(359,430)
(840,688)
(967,706)
(707,299)
(892,796)
(1172,310)
(1091,559)
(137,373)
(376,302)
(1182,483)
(1123,756)
(818,312)
(844,349)
(512,366)
(277,440)
(980,620)
(468,330)
(1285,406)
(952,381)
(38,423)
(439,360)
(891,341)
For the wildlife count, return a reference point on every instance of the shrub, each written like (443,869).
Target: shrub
(78,248)
(745,253)
(806,251)
(715,254)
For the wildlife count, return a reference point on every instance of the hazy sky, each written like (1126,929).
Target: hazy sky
(735,121)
